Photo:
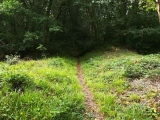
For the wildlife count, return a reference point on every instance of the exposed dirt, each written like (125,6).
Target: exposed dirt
(91,108)
(151,89)
(148,91)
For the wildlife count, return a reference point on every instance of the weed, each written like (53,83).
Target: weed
(150,94)
(134,98)
(12,59)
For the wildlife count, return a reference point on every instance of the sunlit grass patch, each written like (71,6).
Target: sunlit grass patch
(54,93)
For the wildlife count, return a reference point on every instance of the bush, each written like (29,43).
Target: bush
(143,40)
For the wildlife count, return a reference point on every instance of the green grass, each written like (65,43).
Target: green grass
(48,89)
(109,72)
(44,89)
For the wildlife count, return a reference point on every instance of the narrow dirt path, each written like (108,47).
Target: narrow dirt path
(91,107)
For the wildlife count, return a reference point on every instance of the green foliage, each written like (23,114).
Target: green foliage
(23,22)
(9,7)
(76,27)
(145,67)
(42,49)
(30,37)
(143,40)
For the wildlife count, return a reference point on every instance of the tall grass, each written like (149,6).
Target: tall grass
(44,89)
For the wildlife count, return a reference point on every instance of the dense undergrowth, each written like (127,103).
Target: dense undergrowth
(111,74)
(44,89)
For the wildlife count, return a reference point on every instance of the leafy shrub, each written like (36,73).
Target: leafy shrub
(143,40)
(134,71)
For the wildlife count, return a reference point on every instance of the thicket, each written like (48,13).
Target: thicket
(76,26)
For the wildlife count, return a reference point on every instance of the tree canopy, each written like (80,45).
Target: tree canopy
(76,26)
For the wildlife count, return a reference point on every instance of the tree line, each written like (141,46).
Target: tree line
(77,26)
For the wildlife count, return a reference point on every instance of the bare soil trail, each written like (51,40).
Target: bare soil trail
(90,106)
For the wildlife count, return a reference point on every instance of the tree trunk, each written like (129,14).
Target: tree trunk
(158,9)
(47,22)
(157,2)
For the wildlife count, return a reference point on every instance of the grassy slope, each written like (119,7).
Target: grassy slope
(48,88)
(40,90)
(109,73)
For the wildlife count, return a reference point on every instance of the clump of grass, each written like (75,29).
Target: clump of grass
(145,67)
(151,94)
(120,85)
(15,78)
(60,62)
(137,111)
(134,98)
(57,62)
(18,81)
(59,77)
